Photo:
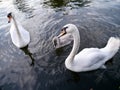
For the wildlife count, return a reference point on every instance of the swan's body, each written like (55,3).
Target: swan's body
(62,41)
(89,58)
(20,37)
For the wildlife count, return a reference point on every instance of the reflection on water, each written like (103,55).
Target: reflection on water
(56,3)
(27,52)
(75,77)
(80,3)
(59,51)
(23,6)
(66,3)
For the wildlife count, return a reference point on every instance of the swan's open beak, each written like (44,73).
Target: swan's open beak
(63,32)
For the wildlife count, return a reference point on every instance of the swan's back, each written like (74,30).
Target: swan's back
(89,59)
(89,55)
(94,58)
(21,39)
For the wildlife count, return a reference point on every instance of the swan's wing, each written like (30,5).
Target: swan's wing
(19,40)
(90,58)
(14,35)
(24,33)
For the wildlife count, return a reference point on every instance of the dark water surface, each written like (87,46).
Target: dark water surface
(39,66)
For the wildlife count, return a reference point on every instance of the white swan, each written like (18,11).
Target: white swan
(20,36)
(89,58)
(59,42)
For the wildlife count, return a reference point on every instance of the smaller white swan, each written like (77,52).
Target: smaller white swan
(89,58)
(20,37)
(59,42)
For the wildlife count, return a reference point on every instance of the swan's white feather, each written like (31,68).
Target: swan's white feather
(89,59)
(19,40)
(62,41)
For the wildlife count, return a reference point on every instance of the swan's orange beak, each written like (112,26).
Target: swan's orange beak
(9,19)
(63,32)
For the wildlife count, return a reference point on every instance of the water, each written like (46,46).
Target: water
(39,66)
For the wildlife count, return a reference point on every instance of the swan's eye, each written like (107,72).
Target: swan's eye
(64,29)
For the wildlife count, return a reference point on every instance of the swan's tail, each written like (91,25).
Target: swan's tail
(112,46)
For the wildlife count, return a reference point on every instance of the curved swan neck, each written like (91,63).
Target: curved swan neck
(75,48)
(16,26)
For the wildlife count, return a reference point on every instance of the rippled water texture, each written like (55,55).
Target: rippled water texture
(39,66)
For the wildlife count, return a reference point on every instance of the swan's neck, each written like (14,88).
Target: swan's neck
(16,26)
(75,48)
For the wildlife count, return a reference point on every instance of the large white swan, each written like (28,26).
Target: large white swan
(89,58)
(20,36)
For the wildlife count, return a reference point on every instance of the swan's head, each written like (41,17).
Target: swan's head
(9,17)
(68,29)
